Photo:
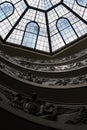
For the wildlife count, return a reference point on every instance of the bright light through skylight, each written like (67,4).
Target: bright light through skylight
(44,25)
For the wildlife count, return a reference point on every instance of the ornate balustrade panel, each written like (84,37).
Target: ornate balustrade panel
(64,60)
(44,81)
(64,116)
(53,68)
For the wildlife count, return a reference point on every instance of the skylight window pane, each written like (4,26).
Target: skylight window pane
(67,32)
(78,6)
(44,25)
(2,15)
(43,4)
(82,2)
(10,21)
(31,35)
(6,9)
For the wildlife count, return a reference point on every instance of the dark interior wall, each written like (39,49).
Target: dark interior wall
(9,121)
(18,51)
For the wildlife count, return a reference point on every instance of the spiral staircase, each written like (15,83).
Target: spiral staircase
(60,81)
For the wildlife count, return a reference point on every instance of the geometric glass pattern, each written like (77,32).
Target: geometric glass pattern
(43,25)
(31,35)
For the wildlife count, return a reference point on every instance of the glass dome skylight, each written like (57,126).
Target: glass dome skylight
(44,25)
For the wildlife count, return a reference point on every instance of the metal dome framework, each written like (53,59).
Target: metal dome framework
(43,25)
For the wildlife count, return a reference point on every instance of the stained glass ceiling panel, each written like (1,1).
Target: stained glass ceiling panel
(43,25)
